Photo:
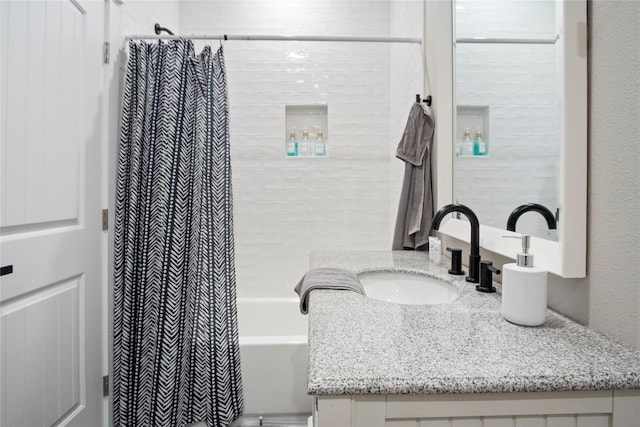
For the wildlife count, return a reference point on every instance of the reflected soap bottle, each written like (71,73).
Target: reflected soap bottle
(467,143)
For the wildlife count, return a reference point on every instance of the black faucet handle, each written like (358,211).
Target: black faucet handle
(486,277)
(456,262)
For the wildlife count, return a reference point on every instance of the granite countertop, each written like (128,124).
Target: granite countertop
(359,345)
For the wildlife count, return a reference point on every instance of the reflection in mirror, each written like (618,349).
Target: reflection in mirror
(507,110)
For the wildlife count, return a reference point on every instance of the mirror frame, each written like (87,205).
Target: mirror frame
(567,256)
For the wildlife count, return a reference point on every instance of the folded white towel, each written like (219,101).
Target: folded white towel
(326,278)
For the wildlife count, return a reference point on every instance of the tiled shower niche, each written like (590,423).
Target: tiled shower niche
(472,118)
(306,131)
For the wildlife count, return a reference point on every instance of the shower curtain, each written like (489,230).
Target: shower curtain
(176,355)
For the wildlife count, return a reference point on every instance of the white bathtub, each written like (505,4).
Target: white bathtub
(273,353)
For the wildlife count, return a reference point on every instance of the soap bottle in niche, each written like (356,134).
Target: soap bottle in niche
(479,146)
(524,289)
(292,145)
(467,143)
(321,145)
(303,149)
(458,147)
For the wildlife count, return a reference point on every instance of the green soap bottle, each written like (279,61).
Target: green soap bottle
(479,146)
(292,145)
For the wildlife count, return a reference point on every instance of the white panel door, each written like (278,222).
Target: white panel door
(51,130)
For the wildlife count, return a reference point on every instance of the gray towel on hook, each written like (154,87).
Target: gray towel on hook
(417,136)
(415,209)
(326,278)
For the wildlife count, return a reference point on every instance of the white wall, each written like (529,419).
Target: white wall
(284,207)
(139,16)
(614,169)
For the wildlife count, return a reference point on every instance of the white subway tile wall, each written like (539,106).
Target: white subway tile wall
(287,207)
(506,18)
(520,85)
(139,17)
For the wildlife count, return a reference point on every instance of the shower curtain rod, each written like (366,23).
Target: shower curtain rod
(280,38)
(480,40)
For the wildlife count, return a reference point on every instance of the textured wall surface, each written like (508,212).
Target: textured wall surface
(614,169)
(284,207)
(139,17)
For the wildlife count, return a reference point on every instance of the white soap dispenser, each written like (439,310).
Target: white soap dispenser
(524,289)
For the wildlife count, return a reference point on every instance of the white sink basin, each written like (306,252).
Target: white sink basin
(407,288)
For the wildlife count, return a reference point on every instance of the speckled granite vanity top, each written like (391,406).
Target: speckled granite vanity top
(359,345)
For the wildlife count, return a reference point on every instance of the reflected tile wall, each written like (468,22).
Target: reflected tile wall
(519,83)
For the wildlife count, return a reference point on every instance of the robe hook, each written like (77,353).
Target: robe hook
(427,100)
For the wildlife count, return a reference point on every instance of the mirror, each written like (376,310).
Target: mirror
(518,76)
(507,110)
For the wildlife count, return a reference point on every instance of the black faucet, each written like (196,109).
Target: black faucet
(517,212)
(474,256)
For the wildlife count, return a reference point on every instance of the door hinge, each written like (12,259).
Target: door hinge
(105,386)
(106,52)
(105,219)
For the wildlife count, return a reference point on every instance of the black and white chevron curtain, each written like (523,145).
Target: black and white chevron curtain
(176,355)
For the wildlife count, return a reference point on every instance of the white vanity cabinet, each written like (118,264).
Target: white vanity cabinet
(546,409)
